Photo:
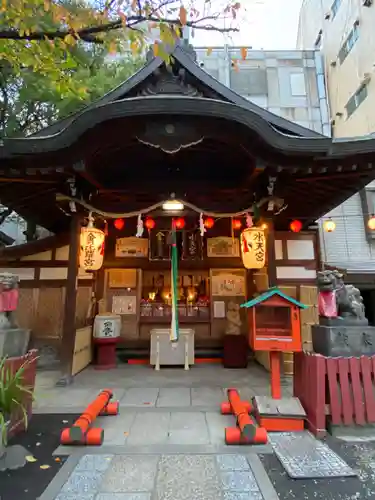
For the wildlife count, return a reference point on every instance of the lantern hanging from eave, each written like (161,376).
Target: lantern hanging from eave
(91,247)
(329,225)
(209,223)
(295,226)
(371,223)
(180,223)
(253,248)
(150,223)
(119,224)
(236,224)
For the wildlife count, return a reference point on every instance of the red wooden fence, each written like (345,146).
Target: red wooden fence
(341,388)
(28,379)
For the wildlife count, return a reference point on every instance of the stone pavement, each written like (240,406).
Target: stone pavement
(162,477)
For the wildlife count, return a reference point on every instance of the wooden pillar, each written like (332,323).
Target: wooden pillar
(271,255)
(69,322)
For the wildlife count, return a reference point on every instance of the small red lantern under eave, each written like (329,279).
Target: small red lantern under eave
(209,223)
(150,223)
(180,223)
(119,224)
(296,226)
(236,224)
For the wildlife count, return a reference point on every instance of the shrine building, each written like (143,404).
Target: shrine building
(170,143)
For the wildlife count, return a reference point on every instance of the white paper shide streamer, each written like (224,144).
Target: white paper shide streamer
(201,225)
(140,228)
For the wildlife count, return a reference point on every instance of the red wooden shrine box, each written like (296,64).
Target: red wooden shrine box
(274,322)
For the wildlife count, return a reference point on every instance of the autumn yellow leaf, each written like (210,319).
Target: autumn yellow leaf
(209,51)
(30,459)
(243,53)
(45,467)
(183,15)
(47,5)
(112,49)
(134,47)
(156,49)
(70,40)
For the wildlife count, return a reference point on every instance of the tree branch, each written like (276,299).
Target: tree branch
(87,34)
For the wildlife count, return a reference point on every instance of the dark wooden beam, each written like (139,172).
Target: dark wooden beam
(271,257)
(69,322)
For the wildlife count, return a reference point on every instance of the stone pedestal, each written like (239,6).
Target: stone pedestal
(345,340)
(14,342)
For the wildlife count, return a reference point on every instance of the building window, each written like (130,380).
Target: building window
(356,100)
(335,7)
(297,85)
(349,43)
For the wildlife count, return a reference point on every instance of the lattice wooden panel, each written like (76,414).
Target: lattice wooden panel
(25,314)
(49,313)
(82,305)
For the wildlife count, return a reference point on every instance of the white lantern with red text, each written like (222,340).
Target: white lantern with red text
(91,247)
(253,248)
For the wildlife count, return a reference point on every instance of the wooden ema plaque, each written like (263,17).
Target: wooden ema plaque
(274,326)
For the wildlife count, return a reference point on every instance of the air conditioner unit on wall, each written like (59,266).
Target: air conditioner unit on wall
(367,3)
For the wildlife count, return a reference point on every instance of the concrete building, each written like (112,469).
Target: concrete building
(287,83)
(343,32)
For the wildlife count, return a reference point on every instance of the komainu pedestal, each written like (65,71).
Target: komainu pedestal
(343,340)
(14,341)
(343,328)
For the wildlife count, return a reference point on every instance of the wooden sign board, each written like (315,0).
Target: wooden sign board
(122,278)
(228,283)
(223,247)
(131,247)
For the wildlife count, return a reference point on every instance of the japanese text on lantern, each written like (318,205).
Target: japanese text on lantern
(253,248)
(92,249)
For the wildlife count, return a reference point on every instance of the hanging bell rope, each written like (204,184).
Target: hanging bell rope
(278,203)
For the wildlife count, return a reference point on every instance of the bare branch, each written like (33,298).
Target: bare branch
(87,34)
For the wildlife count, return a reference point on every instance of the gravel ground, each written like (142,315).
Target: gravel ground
(360,456)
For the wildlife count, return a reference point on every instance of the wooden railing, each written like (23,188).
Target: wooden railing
(340,389)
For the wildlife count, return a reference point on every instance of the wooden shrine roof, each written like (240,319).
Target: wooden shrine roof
(177,129)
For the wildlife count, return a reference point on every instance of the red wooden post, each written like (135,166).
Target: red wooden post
(275,374)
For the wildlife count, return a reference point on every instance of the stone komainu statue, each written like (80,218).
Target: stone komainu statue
(337,300)
(9,294)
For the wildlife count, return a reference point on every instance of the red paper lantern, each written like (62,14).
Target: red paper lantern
(150,223)
(236,224)
(180,223)
(209,223)
(119,224)
(296,226)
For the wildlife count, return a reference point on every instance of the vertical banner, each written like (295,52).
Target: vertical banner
(174,285)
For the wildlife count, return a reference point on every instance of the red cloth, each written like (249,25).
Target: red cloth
(8,300)
(327,304)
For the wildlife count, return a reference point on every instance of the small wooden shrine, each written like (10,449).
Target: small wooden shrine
(274,327)
(170,142)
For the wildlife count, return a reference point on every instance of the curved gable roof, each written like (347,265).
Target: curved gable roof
(187,62)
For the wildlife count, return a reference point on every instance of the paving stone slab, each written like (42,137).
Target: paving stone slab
(247,495)
(187,477)
(241,481)
(232,462)
(216,424)
(130,474)
(94,463)
(116,428)
(123,496)
(303,456)
(142,397)
(174,397)
(149,429)
(207,396)
(82,482)
(68,496)
(188,428)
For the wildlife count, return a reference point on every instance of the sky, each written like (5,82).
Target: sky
(265,24)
